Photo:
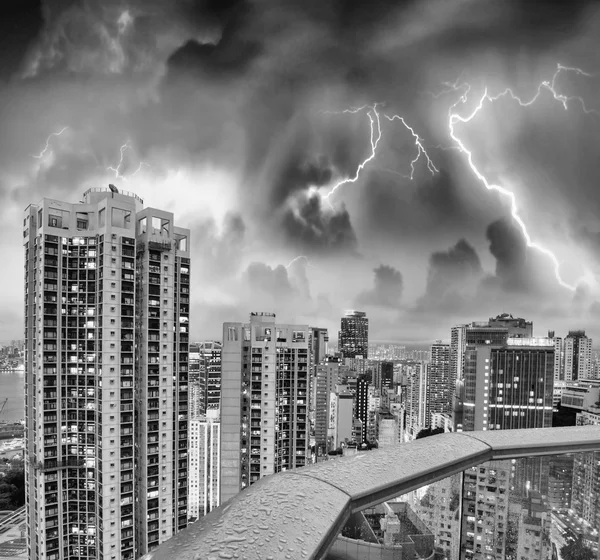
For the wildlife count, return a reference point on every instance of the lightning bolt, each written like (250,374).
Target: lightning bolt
(375,136)
(454,118)
(421,151)
(47,146)
(117,170)
(142,163)
(299,257)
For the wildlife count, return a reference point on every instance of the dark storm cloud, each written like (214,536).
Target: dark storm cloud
(20,23)
(434,204)
(386,291)
(240,84)
(113,37)
(519,269)
(300,173)
(318,230)
(510,251)
(452,278)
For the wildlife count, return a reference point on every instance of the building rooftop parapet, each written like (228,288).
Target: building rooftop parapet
(116,191)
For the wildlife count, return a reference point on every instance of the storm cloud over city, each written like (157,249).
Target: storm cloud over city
(324,155)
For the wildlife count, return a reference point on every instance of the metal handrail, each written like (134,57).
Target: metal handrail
(299,514)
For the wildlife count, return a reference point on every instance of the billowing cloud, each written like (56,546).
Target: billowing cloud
(232,114)
(452,278)
(386,291)
(519,269)
(272,281)
(218,249)
(310,226)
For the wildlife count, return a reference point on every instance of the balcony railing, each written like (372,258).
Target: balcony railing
(300,514)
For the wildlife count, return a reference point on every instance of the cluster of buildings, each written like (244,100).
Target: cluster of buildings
(11,356)
(133,431)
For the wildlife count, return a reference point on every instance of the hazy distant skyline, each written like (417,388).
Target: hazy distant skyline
(224,112)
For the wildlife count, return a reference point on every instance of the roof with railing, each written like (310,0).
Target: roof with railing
(116,191)
(299,514)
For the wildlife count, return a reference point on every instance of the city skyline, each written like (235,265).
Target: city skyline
(303,278)
(251,173)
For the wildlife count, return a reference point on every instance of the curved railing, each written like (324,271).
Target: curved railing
(299,514)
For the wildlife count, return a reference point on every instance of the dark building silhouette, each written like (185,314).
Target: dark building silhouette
(354,335)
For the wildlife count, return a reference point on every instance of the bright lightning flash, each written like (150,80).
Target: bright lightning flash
(47,146)
(300,257)
(454,118)
(420,149)
(117,170)
(375,137)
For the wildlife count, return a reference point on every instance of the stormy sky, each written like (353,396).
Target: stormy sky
(242,116)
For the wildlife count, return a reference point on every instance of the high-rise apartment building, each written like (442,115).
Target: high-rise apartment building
(343,430)
(384,376)
(577,356)
(205,377)
(559,357)
(458,337)
(318,344)
(327,378)
(361,409)
(417,402)
(204,465)
(204,438)
(493,332)
(586,477)
(264,400)
(106,325)
(354,335)
(197,383)
(440,385)
(507,384)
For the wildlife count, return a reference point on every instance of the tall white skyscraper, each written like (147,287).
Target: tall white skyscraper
(417,402)
(106,326)
(458,338)
(264,400)
(204,465)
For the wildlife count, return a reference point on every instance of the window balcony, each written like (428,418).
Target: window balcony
(334,499)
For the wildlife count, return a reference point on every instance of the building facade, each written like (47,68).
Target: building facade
(361,408)
(507,386)
(204,467)
(577,356)
(264,400)
(327,378)
(417,403)
(205,377)
(354,335)
(106,325)
(440,384)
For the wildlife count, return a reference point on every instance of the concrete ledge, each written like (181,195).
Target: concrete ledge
(299,514)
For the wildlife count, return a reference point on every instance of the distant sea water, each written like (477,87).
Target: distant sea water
(12,385)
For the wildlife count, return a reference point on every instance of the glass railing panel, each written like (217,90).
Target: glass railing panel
(534,508)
